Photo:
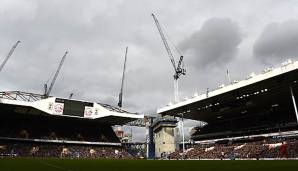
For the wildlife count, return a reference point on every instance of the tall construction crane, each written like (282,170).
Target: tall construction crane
(122,81)
(9,54)
(178,69)
(48,90)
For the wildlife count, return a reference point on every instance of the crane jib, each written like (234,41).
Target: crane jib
(56,74)
(9,55)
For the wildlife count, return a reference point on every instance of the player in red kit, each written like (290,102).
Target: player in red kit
(283,150)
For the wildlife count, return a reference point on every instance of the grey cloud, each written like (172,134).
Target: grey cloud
(278,41)
(215,43)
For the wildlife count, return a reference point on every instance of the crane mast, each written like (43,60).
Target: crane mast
(48,91)
(9,55)
(179,70)
(122,81)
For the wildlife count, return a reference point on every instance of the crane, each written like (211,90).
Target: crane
(178,69)
(9,54)
(70,95)
(122,81)
(48,90)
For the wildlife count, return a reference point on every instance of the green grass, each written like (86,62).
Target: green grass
(35,164)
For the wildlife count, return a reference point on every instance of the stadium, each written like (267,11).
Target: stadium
(253,119)
(249,124)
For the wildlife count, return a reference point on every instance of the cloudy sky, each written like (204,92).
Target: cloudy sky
(213,36)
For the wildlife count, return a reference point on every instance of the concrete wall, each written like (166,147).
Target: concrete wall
(164,141)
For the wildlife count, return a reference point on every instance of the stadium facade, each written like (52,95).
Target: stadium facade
(262,104)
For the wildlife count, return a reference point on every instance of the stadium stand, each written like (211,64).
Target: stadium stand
(261,104)
(243,118)
(48,136)
(55,128)
(41,149)
(33,126)
(262,149)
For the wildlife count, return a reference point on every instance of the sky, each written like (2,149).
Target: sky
(213,36)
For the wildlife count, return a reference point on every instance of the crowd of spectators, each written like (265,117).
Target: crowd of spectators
(62,151)
(249,150)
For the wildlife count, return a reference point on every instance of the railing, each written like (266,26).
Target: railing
(22,96)
(61,141)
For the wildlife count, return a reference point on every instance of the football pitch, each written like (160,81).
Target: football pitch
(36,164)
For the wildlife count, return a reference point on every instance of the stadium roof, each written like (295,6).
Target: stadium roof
(226,101)
(30,103)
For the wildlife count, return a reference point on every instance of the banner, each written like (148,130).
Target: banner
(58,108)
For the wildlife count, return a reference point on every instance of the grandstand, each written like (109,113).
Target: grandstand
(55,127)
(252,111)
